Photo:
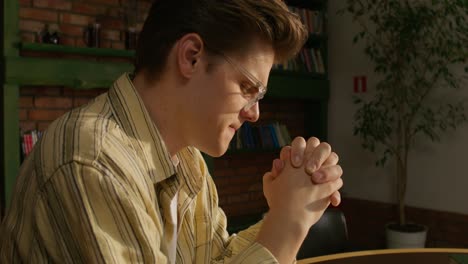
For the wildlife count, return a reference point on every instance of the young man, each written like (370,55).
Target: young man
(122,180)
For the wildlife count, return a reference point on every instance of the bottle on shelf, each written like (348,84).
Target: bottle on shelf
(92,35)
(130,38)
(44,34)
(54,37)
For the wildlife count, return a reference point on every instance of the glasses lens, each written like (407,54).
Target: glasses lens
(249,104)
(254,100)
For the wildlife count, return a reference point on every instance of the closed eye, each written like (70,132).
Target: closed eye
(249,90)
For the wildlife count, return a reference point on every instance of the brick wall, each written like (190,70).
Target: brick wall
(39,106)
(366,221)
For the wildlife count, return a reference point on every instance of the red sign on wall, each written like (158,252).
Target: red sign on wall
(360,84)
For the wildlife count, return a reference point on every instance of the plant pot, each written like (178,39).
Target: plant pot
(407,236)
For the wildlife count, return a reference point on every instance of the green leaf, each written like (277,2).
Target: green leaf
(355,39)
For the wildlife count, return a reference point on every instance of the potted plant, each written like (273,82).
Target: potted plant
(413,45)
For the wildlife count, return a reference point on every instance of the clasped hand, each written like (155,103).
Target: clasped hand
(304,181)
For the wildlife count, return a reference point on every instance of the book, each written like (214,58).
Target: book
(28,140)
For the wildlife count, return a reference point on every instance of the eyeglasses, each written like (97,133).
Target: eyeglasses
(260,89)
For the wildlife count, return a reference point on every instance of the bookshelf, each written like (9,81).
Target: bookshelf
(19,70)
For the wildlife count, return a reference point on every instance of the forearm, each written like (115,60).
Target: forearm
(282,236)
(243,248)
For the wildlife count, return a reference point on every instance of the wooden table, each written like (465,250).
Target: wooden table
(395,256)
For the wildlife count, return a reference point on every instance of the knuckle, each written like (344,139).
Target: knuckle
(317,165)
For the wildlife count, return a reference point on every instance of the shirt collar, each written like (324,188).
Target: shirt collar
(134,119)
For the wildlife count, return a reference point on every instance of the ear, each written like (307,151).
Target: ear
(189,53)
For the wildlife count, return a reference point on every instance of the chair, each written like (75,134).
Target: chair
(328,236)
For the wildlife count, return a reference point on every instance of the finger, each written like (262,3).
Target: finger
(277,167)
(273,170)
(335,198)
(267,179)
(319,206)
(285,153)
(297,152)
(327,189)
(332,160)
(312,143)
(326,174)
(318,157)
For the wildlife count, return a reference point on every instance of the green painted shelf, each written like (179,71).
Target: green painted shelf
(78,74)
(100,52)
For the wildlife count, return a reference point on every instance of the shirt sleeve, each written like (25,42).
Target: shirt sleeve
(237,248)
(85,216)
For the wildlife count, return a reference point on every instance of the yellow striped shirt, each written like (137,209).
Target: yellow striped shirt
(97,189)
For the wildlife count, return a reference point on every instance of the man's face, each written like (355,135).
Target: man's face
(220,96)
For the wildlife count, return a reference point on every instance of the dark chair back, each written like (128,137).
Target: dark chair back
(328,236)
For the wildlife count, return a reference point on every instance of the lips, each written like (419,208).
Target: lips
(235,127)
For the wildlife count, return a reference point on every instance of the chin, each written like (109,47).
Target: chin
(216,153)
(215,150)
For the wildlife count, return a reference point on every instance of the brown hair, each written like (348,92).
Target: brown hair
(225,25)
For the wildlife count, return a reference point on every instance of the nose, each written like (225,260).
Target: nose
(252,114)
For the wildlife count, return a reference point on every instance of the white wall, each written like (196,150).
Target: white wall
(438,172)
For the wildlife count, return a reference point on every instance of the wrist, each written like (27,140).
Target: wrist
(289,222)
(282,235)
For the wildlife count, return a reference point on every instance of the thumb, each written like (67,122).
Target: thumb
(277,168)
(267,178)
